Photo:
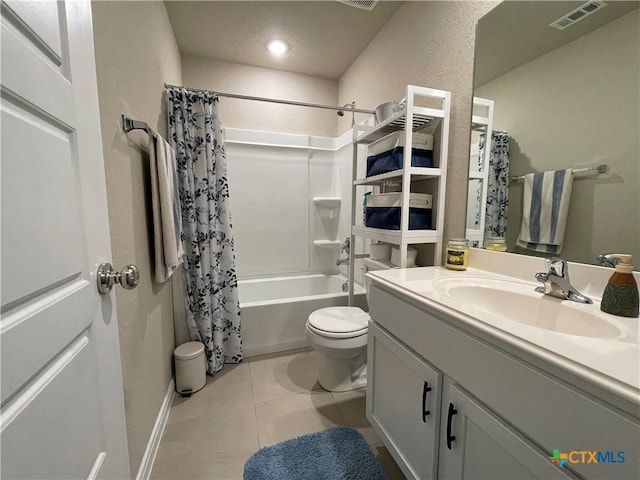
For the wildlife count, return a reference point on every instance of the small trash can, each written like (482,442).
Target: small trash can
(191,368)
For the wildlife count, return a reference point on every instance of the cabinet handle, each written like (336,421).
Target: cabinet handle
(426,388)
(450,438)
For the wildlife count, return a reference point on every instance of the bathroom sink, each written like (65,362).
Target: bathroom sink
(519,302)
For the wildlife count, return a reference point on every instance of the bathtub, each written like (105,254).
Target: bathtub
(275,310)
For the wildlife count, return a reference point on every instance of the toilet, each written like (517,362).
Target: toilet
(339,336)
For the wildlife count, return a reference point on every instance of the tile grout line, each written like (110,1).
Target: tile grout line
(253,401)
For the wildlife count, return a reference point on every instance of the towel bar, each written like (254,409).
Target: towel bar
(129,124)
(578,172)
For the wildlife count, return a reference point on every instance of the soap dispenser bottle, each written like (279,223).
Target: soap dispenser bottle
(620,296)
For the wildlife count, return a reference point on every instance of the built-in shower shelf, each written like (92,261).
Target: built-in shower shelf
(327,243)
(327,202)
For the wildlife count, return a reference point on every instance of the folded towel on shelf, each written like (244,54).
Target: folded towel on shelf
(165,204)
(545,208)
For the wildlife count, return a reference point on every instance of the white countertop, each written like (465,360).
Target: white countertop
(612,364)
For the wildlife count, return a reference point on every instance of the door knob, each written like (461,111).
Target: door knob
(107,277)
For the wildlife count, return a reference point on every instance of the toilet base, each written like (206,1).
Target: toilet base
(342,374)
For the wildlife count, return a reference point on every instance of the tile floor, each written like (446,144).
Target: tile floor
(262,401)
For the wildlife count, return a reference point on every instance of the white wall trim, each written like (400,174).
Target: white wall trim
(144,472)
(280,347)
(286,140)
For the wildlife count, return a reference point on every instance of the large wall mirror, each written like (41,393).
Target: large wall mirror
(562,99)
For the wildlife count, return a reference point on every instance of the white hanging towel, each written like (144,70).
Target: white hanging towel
(545,208)
(165,203)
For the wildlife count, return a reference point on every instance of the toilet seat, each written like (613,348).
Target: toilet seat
(339,322)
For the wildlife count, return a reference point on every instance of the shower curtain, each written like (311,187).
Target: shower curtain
(495,222)
(213,309)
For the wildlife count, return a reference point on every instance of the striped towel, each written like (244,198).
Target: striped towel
(165,205)
(545,208)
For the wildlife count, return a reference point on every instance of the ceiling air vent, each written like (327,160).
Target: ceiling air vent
(362,4)
(578,14)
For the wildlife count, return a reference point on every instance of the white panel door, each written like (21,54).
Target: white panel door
(61,383)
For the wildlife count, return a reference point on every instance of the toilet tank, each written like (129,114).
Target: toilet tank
(372,265)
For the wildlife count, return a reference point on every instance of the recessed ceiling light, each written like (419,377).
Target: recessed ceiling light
(278,47)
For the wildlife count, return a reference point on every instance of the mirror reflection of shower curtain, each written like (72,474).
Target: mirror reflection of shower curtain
(212,306)
(482,141)
(495,222)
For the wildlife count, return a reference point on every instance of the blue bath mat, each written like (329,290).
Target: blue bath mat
(339,453)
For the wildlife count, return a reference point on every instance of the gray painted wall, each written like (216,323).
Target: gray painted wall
(136,53)
(430,44)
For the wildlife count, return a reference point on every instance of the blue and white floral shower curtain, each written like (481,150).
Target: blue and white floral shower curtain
(495,221)
(213,310)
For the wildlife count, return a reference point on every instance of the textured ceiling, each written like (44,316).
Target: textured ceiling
(326,37)
(516,32)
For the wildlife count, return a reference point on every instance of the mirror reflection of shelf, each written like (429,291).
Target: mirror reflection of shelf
(327,243)
(327,202)
(481,123)
(475,235)
(477,175)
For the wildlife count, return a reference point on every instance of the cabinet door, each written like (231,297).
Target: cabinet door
(403,404)
(476,444)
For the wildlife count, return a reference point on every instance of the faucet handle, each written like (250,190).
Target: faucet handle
(346,246)
(557,266)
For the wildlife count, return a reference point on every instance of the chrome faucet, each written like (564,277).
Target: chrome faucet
(345,248)
(556,282)
(603,261)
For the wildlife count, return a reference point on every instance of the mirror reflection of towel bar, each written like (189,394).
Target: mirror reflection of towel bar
(578,172)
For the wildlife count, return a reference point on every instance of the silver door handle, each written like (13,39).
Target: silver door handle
(107,277)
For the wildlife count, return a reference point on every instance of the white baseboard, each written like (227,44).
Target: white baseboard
(280,347)
(144,472)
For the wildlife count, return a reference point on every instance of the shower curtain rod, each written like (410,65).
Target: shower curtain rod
(347,107)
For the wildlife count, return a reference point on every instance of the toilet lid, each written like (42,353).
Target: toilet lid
(340,321)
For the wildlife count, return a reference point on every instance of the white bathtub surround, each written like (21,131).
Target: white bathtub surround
(275,309)
(274,179)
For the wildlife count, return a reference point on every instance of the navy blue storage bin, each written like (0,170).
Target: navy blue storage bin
(394,159)
(389,218)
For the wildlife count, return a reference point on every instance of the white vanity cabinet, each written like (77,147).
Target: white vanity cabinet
(403,403)
(411,407)
(491,414)
(478,444)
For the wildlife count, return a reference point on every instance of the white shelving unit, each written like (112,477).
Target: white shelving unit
(481,122)
(422,119)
